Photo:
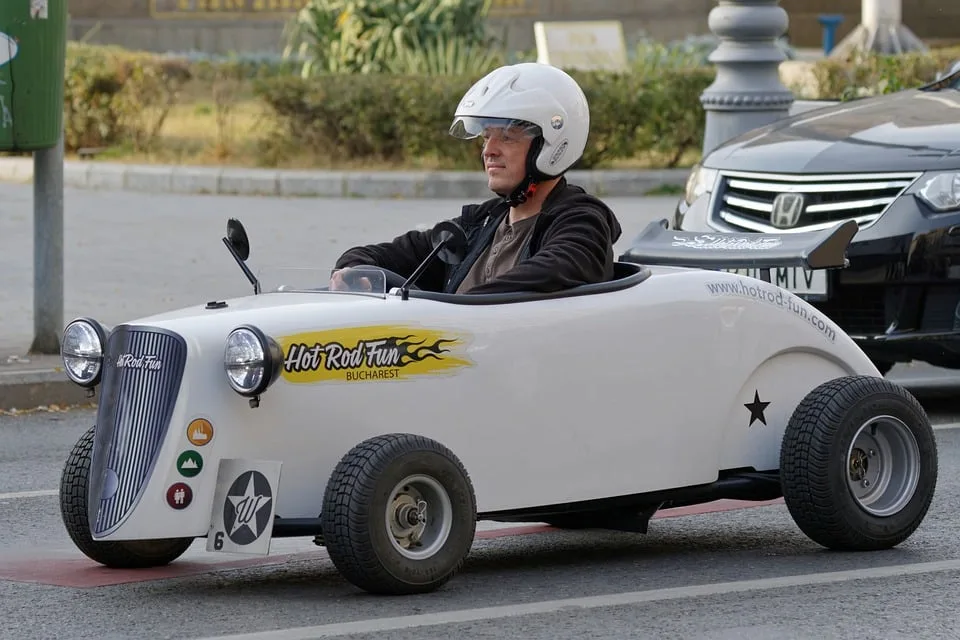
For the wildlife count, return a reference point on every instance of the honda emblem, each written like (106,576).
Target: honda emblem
(786,211)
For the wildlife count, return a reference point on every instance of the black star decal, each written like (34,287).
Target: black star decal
(756,409)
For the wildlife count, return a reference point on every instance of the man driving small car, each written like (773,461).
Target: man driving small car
(540,233)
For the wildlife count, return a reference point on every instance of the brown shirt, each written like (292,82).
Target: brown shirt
(501,255)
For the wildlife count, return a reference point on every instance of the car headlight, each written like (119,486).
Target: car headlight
(81,351)
(941,192)
(699,182)
(252,360)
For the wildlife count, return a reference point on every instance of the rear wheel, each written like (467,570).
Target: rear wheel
(858,464)
(399,515)
(124,554)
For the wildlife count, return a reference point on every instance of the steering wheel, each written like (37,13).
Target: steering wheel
(392,278)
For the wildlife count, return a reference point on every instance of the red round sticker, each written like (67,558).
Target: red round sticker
(179,496)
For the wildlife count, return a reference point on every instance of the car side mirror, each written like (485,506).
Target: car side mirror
(454,240)
(239,247)
(237,236)
(449,245)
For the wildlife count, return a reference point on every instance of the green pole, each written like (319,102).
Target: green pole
(33,36)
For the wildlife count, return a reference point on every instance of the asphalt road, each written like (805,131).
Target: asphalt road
(740,574)
(127,255)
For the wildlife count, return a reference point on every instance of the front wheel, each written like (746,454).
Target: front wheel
(399,515)
(124,554)
(858,464)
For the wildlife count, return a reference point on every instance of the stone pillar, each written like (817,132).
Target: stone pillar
(881,30)
(747,92)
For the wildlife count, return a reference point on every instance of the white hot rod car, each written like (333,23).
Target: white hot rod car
(385,420)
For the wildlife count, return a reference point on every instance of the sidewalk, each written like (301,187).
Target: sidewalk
(193,180)
(37,382)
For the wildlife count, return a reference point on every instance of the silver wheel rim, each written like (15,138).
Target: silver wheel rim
(883,466)
(419,517)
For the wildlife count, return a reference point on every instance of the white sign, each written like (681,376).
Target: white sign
(244,506)
(793,279)
(38,9)
(8,49)
(592,45)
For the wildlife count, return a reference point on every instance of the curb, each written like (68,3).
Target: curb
(235,181)
(28,390)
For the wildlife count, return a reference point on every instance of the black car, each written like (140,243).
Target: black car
(892,163)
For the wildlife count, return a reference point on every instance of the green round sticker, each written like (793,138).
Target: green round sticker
(189,464)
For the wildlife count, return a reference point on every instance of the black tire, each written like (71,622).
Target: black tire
(126,554)
(817,472)
(355,523)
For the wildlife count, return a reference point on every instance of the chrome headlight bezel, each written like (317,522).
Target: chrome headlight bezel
(95,357)
(266,362)
(940,191)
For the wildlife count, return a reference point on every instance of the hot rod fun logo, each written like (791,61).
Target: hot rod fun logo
(370,354)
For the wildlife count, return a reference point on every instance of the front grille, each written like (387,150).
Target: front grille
(745,200)
(143,368)
(940,308)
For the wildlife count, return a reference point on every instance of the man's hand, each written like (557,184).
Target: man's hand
(338,281)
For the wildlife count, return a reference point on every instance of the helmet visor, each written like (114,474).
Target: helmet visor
(507,129)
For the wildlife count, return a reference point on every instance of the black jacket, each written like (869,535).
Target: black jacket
(571,244)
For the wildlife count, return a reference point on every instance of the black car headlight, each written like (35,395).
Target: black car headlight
(252,360)
(81,351)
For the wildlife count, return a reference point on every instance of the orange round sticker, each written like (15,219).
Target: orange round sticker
(200,432)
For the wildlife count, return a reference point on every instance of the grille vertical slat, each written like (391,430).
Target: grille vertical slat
(137,400)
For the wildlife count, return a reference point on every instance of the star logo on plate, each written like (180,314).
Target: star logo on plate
(246,511)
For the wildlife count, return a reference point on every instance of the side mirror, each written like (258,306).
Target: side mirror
(237,236)
(449,244)
(239,247)
(454,240)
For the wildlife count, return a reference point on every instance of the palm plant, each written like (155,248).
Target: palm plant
(374,36)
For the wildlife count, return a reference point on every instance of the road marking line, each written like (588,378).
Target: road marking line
(590,602)
(28,494)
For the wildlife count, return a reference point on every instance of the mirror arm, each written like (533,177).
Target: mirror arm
(405,287)
(246,270)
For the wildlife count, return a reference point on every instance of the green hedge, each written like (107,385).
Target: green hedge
(114,96)
(864,76)
(120,98)
(399,118)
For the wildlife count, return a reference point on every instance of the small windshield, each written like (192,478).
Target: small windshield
(368,280)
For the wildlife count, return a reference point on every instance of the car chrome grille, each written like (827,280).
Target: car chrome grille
(745,200)
(136,402)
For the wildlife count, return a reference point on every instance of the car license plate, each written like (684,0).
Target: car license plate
(804,283)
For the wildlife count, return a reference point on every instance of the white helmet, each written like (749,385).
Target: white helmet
(534,94)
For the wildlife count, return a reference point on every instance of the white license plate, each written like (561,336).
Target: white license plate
(793,279)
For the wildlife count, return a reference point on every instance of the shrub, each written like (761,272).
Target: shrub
(375,117)
(406,118)
(113,96)
(875,74)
